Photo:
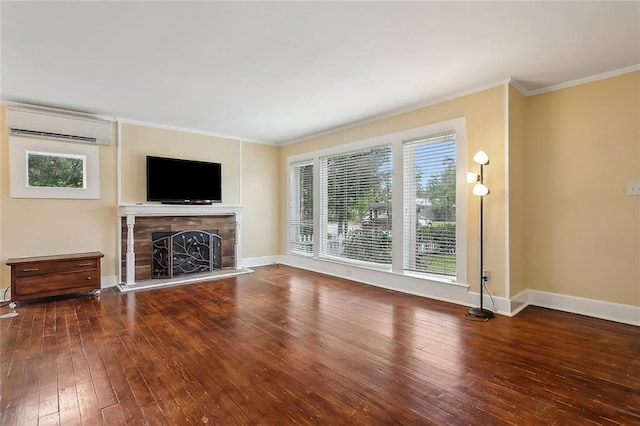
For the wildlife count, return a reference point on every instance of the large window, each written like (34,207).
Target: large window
(429,180)
(301,208)
(394,203)
(355,207)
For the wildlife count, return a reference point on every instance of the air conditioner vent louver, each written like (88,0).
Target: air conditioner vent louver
(49,135)
(59,126)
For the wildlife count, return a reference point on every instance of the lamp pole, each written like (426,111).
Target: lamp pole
(481,312)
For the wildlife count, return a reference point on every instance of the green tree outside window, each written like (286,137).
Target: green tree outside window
(55,170)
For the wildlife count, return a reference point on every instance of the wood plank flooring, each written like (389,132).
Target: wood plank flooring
(286,346)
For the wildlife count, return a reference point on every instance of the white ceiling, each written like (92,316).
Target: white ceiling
(280,71)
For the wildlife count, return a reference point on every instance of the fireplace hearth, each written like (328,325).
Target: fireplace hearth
(187,252)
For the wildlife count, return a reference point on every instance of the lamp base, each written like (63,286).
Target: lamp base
(481,313)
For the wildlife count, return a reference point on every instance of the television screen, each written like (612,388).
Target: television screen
(171,180)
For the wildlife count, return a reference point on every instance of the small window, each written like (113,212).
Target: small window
(53,170)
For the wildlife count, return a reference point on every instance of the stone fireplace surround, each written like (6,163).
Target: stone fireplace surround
(139,221)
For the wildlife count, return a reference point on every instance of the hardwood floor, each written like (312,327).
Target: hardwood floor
(283,346)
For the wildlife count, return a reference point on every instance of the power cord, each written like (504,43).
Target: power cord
(4,302)
(493,304)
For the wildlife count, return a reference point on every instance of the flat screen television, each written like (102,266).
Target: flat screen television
(176,181)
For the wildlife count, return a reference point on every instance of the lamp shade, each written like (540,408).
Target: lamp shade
(480,190)
(472,177)
(481,157)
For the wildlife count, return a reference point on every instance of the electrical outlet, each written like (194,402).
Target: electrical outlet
(485,277)
(633,189)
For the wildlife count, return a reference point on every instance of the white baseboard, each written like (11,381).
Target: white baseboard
(459,294)
(109,281)
(252,262)
(519,302)
(502,304)
(447,292)
(618,312)
(432,289)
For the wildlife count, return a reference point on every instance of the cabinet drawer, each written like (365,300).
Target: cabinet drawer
(59,282)
(29,269)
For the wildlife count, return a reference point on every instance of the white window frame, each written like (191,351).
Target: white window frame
(409,199)
(396,140)
(323,219)
(83,158)
(19,148)
(294,205)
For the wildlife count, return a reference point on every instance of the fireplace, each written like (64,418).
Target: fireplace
(186,252)
(140,232)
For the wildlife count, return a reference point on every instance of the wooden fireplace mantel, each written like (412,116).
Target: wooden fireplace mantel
(142,209)
(132,210)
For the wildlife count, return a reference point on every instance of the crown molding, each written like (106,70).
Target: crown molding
(519,87)
(396,112)
(609,74)
(55,111)
(516,84)
(187,130)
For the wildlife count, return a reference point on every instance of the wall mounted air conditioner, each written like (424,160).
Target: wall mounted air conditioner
(60,127)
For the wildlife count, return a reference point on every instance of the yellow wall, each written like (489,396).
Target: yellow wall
(5,280)
(571,227)
(139,141)
(485,114)
(517,192)
(260,195)
(582,230)
(35,227)
(249,176)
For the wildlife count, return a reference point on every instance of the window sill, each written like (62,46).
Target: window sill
(434,278)
(450,281)
(356,263)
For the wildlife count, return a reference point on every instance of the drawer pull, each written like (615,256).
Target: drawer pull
(30,269)
(88,278)
(85,264)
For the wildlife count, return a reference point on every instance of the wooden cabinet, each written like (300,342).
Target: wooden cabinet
(34,277)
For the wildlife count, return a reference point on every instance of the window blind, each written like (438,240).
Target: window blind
(301,208)
(429,222)
(355,206)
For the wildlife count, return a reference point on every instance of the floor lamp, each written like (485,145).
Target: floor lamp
(481,191)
